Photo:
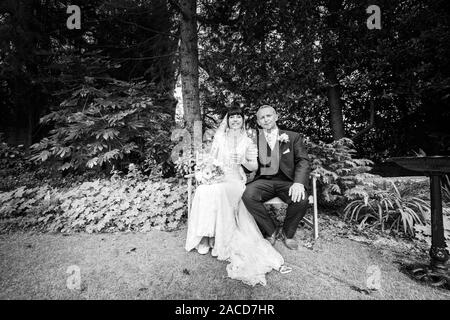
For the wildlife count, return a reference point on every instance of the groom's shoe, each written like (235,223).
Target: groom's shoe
(289,243)
(273,237)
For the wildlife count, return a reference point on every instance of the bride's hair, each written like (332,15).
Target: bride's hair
(234,110)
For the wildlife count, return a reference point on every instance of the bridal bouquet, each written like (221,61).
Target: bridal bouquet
(208,171)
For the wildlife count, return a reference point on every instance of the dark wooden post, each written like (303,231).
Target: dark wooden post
(438,251)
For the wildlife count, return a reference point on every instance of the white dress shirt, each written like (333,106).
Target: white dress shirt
(271,137)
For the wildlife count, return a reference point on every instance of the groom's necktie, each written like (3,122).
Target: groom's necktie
(269,138)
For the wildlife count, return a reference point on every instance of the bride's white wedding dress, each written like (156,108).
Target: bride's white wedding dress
(217,211)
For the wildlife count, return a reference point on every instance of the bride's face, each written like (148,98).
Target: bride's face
(235,121)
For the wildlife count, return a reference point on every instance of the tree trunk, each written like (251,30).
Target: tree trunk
(329,57)
(189,69)
(334,105)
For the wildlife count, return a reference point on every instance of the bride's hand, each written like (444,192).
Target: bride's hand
(251,153)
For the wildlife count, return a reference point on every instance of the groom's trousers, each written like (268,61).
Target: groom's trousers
(262,190)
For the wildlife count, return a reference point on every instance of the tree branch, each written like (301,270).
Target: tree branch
(371,123)
(179,9)
(147,28)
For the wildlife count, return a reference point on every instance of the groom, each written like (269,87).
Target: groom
(283,172)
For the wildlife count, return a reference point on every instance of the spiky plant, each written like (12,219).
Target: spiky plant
(387,208)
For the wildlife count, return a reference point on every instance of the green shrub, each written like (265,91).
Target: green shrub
(185,165)
(106,122)
(337,168)
(423,231)
(122,203)
(373,205)
(12,157)
(24,201)
(446,189)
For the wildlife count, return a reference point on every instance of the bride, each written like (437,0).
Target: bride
(219,219)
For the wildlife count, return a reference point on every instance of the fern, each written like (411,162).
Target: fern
(338,170)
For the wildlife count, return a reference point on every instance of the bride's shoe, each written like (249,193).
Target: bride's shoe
(203,246)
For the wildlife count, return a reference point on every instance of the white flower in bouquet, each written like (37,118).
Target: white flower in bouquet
(208,171)
(217,163)
(198,175)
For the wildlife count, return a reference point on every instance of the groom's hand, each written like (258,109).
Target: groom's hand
(297,192)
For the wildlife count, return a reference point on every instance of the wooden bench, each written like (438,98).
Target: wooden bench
(312,199)
(312,222)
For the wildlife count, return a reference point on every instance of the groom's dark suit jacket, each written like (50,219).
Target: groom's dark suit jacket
(294,159)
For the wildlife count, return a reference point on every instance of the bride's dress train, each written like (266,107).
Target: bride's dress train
(251,256)
(237,237)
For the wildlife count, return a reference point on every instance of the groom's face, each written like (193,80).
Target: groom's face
(267,118)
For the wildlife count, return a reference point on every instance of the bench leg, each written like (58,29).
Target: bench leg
(315,211)
(189,190)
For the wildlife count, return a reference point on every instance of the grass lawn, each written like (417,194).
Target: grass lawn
(154,265)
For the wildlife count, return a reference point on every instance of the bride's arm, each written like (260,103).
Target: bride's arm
(251,165)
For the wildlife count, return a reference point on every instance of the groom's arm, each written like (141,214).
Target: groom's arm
(301,161)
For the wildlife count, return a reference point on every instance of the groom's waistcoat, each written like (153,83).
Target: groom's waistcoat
(292,161)
(269,159)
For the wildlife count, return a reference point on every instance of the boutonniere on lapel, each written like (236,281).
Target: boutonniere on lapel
(283,138)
